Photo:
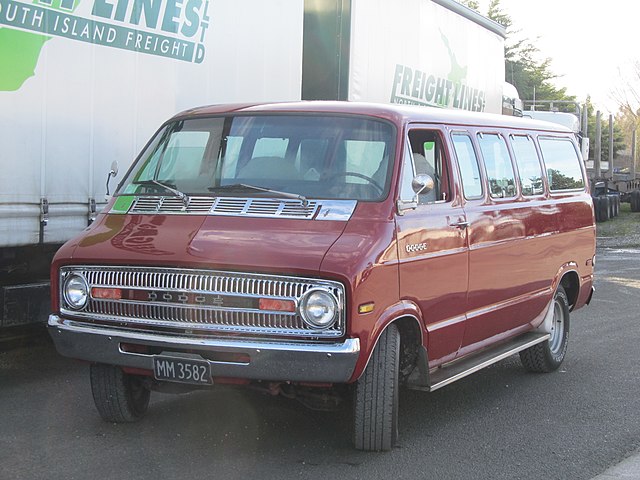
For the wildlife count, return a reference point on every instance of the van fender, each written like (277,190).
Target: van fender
(562,271)
(545,326)
(393,313)
(573,290)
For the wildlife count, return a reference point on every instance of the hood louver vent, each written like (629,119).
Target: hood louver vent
(226,206)
(152,205)
(264,207)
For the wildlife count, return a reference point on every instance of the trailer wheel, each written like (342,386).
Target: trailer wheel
(603,209)
(635,201)
(119,397)
(376,396)
(547,356)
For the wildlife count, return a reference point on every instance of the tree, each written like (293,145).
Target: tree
(472,4)
(531,76)
(627,95)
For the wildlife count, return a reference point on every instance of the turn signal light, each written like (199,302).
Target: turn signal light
(275,305)
(366,307)
(106,293)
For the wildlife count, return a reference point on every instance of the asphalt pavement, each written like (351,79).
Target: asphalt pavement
(501,423)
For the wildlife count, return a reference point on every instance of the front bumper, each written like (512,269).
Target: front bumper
(267,360)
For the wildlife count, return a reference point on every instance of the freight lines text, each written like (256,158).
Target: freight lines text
(418,88)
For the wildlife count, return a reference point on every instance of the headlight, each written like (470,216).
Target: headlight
(76,291)
(319,308)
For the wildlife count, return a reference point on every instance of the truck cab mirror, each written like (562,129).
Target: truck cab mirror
(112,173)
(423,183)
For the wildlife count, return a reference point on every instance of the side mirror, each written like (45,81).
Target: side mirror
(420,184)
(423,183)
(112,173)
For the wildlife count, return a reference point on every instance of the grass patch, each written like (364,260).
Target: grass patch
(626,224)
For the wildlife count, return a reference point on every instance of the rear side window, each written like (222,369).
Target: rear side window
(468,162)
(563,164)
(528,164)
(502,182)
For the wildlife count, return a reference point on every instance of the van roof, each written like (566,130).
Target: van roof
(398,114)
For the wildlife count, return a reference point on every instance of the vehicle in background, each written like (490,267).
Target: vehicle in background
(326,250)
(93,80)
(511,103)
(569,120)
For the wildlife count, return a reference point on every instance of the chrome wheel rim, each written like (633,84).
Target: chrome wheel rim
(557,328)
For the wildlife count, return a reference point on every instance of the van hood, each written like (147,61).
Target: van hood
(210,242)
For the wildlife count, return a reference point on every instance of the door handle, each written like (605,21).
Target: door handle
(462,225)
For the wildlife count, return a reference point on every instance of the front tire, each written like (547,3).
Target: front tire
(119,397)
(547,356)
(376,396)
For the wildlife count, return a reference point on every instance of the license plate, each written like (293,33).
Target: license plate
(182,370)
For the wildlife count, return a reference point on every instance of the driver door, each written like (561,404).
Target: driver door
(432,244)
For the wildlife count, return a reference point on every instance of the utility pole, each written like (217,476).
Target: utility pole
(584,131)
(633,155)
(596,160)
(611,146)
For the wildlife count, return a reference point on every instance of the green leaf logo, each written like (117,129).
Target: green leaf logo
(20,50)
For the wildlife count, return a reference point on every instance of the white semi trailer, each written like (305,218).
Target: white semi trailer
(86,82)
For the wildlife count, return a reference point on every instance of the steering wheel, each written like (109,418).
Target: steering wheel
(359,175)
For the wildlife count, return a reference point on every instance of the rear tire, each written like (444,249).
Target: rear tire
(376,396)
(119,397)
(635,201)
(604,208)
(548,356)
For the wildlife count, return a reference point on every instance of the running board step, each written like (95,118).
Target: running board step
(458,369)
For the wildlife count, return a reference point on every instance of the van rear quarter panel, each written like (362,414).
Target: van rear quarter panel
(518,252)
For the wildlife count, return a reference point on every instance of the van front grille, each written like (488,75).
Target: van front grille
(201,301)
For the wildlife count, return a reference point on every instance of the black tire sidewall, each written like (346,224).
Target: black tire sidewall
(384,361)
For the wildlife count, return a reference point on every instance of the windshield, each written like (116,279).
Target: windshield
(333,157)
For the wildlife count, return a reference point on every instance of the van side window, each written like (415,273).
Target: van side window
(502,182)
(563,163)
(468,162)
(426,148)
(528,163)
(406,191)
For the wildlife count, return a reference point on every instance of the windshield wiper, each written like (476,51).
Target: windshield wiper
(238,186)
(183,196)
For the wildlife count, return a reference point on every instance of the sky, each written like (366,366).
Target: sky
(589,45)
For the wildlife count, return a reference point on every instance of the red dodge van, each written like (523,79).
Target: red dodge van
(327,247)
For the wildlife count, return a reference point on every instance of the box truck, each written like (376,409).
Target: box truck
(84,83)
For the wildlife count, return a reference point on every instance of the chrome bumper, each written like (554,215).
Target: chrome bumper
(268,360)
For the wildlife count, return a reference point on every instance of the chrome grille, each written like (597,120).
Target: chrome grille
(178,311)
